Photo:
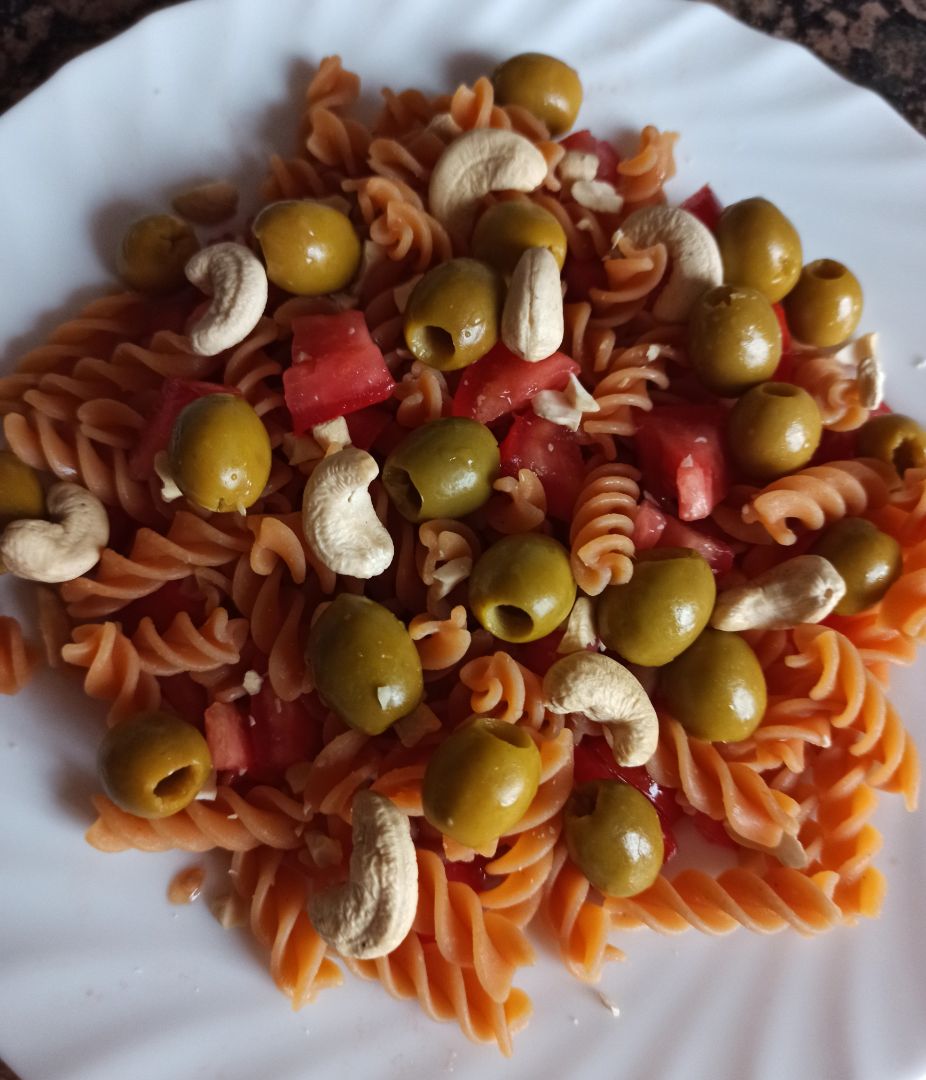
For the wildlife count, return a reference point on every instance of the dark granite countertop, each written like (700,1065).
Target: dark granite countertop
(879,45)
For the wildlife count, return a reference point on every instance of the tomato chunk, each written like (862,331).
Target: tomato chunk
(585,143)
(282,733)
(176,394)
(657,528)
(705,206)
(337,369)
(502,383)
(164,604)
(366,426)
(682,456)
(583,275)
(228,738)
(552,452)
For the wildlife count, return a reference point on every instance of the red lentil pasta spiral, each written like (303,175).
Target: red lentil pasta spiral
(210,615)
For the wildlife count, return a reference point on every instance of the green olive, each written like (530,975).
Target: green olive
(522,587)
(480,781)
(153,765)
(734,339)
(825,305)
(365,665)
(310,249)
(21,494)
(614,836)
(716,688)
(507,229)
(774,429)
(658,613)
(445,468)
(543,85)
(869,561)
(760,248)
(219,453)
(452,315)
(154,253)
(896,439)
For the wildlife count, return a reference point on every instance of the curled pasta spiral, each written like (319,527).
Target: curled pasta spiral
(501,687)
(280,539)
(834,387)
(114,670)
(186,647)
(339,769)
(818,495)
(640,178)
(398,222)
(17,659)
(601,532)
(519,505)
(903,608)
(234,822)
(337,141)
(441,643)
(472,107)
(422,395)
(296,178)
(332,86)
(450,549)
(632,273)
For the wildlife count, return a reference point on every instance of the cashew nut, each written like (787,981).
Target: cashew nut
(475,163)
(338,518)
(695,257)
(606,693)
(862,354)
(581,632)
(61,549)
(532,318)
(804,589)
(577,165)
(371,914)
(207,204)
(235,279)
(565,407)
(597,195)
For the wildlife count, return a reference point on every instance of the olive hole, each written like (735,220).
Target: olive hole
(438,343)
(909,455)
(174,784)
(784,390)
(827,269)
(403,491)
(583,802)
(512,623)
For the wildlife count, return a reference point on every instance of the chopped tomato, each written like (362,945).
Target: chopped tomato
(785,329)
(502,383)
(472,873)
(705,206)
(552,452)
(537,656)
(658,528)
(187,698)
(366,426)
(282,733)
(228,738)
(337,369)
(585,143)
(583,275)
(176,394)
(712,831)
(682,456)
(648,526)
(835,446)
(162,605)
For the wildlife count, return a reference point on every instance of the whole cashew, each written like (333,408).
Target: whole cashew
(338,519)
(695,257)
(532,318)
(62,549)
(235,279)
(475,163)
(804,589)
(371,914)
(606,693)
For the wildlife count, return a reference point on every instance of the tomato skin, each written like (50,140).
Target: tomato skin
(336,369)
(682,456)
(472,873)
(367,425)
(705,206)
(502,383)
(585,143)
(228,738)
(654,527)
(583,275)
(283,733)
(553,453)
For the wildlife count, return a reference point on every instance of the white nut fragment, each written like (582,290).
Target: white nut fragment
(862,354)
(338,518)
(371,914)
(577,165)
(443,124)
(581,632)
(61,549)
(789,851)
(804,589)
(332,435)
(475,163)
(532,318)
(235,279)
(606,693)
(693,252)
(597,195)
(207,204)
(565,407)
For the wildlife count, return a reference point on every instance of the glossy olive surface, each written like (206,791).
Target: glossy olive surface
(893,438)
(868,560)
(21,495)
(614,836)
(543,85)
(445,468)
(522,587)
(774,429)
(760,248)
(219,453)
(480,781)
(825,306)
(656,615)
(734,339)
(310,249)
(365,665)
(153,765)
(154,253)
(507,229)
(452,315)
(716,688)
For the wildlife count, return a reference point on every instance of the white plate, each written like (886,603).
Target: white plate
(99,977)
